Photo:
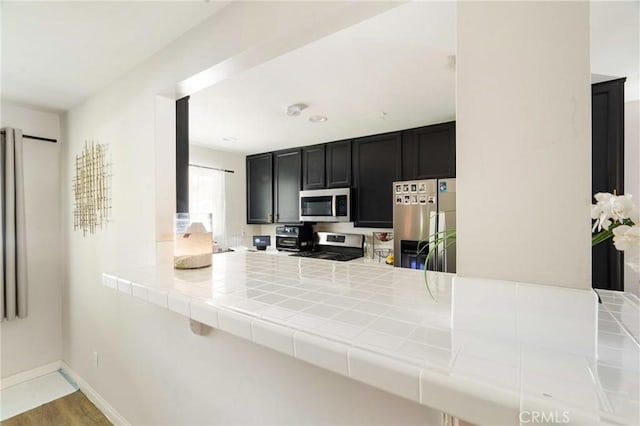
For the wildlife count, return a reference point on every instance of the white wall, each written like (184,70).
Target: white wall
(524,142)
(37,340)
(632,176)
(152,369)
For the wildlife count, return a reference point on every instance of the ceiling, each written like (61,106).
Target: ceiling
(399,63)
(57,54)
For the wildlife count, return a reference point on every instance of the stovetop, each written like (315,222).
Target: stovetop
(328,255)
(340,247)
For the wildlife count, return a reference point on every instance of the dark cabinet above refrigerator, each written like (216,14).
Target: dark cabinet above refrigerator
(429,152)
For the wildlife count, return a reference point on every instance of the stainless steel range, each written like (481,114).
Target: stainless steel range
(340,247)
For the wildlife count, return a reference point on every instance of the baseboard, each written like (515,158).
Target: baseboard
(110,412)
(30,374)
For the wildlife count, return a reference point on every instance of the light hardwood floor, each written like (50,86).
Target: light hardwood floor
(72,410)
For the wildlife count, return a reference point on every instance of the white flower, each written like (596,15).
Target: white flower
(612,208)
(626,237)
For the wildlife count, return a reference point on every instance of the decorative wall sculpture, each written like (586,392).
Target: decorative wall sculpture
(92,189)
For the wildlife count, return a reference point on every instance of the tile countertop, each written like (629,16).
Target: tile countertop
(378,325)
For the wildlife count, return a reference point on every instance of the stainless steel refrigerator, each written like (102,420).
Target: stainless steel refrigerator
(421,210)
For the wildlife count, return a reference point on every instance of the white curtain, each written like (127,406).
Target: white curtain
(13,268)
(206,195)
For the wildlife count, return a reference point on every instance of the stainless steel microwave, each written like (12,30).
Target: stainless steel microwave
(325,205)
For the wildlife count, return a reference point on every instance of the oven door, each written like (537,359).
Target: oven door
(287,243)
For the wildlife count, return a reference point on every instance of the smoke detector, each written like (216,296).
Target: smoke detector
(295,109)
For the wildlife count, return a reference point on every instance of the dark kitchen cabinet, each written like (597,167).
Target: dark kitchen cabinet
(338,164)
(429,152)
(377,163)
(287,177)
(260,188)
(313,167)
(607,173)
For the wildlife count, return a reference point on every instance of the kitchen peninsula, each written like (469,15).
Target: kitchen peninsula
(377,325)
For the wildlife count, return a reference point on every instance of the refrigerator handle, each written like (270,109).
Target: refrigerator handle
(433,264)
(442,252)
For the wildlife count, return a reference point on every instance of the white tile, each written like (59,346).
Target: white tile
(234,323)
(609,327)
(488,371)
(384,373)
(616,341)
(619,381)
(272,336)
(295,304)
(355,318)
(378,340)
(559,391)
(433,336)
(428,355)
(204,312)
(139,291)
(250,306)
(291,292)
(392,327)
(178,303)
(341,302)
(313,296)
(321,352)
(324,311)
(558,317)
(157,297)
(272,288)
(304,321)
(372,308)
(548,362)
(110,281)
(407,315)
(340,330)
(276,312)
(485,306)
(124,286)
(271,298)
(628,359)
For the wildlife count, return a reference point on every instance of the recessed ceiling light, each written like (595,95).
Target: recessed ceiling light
(229,139)
(318,119)
(295,109)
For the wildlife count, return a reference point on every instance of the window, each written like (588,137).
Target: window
(206,195)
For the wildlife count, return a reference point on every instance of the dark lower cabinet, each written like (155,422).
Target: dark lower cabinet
(313,167)
(607,173)
(429,152)
(338,164)
(286,175)
(377,163)
(260,188)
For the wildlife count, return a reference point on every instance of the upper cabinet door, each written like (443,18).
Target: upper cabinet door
(429,152)
(338,164)
(313,167)
(260,188)
(377,164)
(287,173)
